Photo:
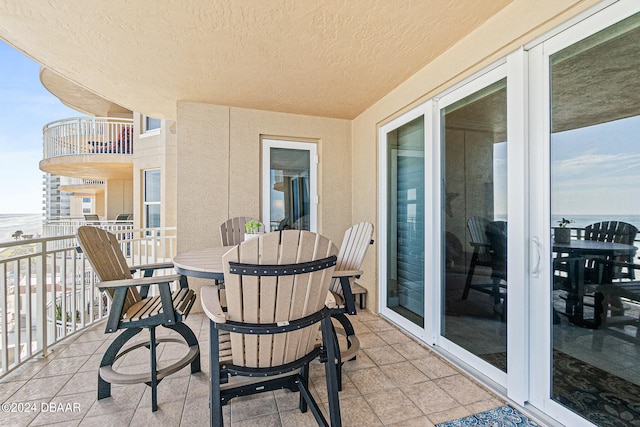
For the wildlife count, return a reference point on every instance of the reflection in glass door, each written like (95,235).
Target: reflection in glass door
(595,171)
(405,221)
(474,221)
(289,185)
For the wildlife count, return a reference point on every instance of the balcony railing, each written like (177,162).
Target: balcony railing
(47,289)
(87,135)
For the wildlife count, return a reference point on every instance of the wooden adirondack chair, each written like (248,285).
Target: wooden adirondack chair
(341,298)
(232,230)
(276,287)
(477,227)
(611,231)
(133,310)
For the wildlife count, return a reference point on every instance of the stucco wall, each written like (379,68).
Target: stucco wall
(519,23)
(218,168)
(155,150)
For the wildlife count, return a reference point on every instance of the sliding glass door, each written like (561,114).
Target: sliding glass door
(403,230)
(589,165)
(474,220)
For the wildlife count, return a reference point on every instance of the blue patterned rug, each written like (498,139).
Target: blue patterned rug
(504,416)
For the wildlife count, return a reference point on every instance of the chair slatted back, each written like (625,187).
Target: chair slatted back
(611,231)
(477,227)
(352,251)
(272,299)
(103,252)
(232,230)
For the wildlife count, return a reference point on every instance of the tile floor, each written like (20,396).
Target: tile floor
(394,382)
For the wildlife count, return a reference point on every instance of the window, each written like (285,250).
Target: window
(289,185)
(152,198)
(151,124)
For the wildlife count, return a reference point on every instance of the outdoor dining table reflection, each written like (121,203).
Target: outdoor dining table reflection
(574,254)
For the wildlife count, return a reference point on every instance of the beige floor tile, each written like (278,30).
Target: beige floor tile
(253,406)
(362,361)
(484,405)
(422,421)
(378,324)
(392,406)
(429,397)
(122,399)
(463,389)
(403,373)
(449,414)
(370,380)
(40,388)
(81,382)
(356,412)
(411,350)
(61,366)
(168,415)
(270,420)
(434,367)
(64,408)
(384,355)
(393,337)
(171,389)
(370,340)
(287,400)
(114,419)
(348,389)
(196,412)
(295,418)
(8,388)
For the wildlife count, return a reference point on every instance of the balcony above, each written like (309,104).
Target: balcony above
(80,185)
(89,148)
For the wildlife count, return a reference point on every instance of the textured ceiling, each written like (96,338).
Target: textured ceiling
(331,58)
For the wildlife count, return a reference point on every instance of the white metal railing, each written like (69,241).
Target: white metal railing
(65,180)
(69,225)
(47,289)
(87,135)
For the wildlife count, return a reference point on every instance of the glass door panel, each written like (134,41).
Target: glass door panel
(289,185)
(474,223)
(595,168)
(405,221)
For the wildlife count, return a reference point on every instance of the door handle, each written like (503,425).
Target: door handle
(535,271)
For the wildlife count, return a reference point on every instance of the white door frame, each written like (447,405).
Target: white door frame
(425,111)
(539,200)
(488,77)
(267,144)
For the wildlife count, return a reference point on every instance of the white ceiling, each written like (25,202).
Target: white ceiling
(330,58)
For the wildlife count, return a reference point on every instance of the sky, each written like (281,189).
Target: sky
(595,170)
(25,107)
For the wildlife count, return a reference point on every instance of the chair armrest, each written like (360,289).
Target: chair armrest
(479,245)
(157,266)
(347,273)
(143,281)
(211,304)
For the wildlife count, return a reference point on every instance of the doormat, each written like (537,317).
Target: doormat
(502,416)
(602,398)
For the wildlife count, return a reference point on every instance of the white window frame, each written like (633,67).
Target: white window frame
(267,144)
(145,203)
(150,130)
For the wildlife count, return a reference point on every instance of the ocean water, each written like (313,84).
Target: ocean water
(28,223)
(584,220)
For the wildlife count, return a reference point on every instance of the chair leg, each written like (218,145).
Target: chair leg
(154,369)
(215,404)
(304,382)
(328,338)
(104,388)
(472,268)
